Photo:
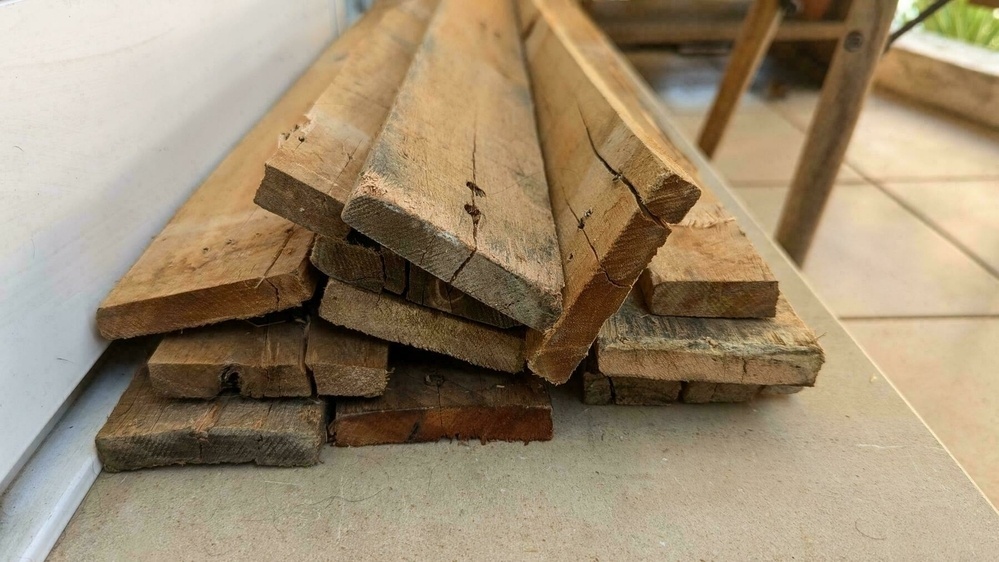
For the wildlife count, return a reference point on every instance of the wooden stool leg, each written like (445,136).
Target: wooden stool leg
(755,36)
(846,85)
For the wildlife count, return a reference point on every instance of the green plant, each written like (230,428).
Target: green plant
(960,20)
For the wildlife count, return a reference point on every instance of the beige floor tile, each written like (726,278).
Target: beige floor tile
(946,369)
(897,139)
(968,211)
(759,147)
(871,257)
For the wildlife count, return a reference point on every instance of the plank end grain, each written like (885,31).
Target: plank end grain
(709,269)
(346,363)
(431,398)
(756,351)
(616,182)
(255,361)
(309,178)
(147,430)
(455,182)
(392,318)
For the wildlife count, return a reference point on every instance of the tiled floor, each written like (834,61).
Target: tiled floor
(907,254)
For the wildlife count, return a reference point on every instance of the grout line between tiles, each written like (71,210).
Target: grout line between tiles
(929,222)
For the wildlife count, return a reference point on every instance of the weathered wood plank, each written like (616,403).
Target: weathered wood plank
(427,290)
(221,257)
(256,361)
(771,351)
(455,181)
(431,398)
(147,430)
(346,363)
(709,269)
(308,180)
(599,389)
(615,179)
(395,319)
(359,261)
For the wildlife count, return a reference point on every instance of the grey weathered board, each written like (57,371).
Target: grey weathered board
(709,269)
(358,261)
(599,389)
(764,351)
(455,181)
(147,430)
(431,398)
(308,180)
(615,180)
(256,361)
(346,363)
(395,319)
(427,290)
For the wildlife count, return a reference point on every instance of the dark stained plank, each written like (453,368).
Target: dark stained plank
(631,391)
(427,290)
(147,430)
(256,361)
(356,260)
(431,398)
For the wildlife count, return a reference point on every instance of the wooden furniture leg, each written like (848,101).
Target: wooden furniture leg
(755,36)
(843,92)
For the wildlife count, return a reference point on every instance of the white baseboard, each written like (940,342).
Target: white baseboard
(43,497)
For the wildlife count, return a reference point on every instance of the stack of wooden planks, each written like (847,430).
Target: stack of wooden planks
(445,214)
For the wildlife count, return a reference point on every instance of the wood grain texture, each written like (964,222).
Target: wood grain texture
(256,361)
(772,351)
(615,179)
(221,257)
(427,290)
(709,269)
(599,389)
(395,319)
(431,398)
(346,363)
(147,430)
(356,260)
(455,182)
(308,180)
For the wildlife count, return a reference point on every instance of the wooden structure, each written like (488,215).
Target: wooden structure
(860,44)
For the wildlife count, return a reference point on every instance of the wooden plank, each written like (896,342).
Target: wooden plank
(395,319)
(308,180)
(706,392)
(346,363)
(256,361)
(427,290)
(455,182)
(431,398)
(616,180)
(771,351)
(147,430)
(709,269)
(843,93)
(221,257)
(359,261)
(600,389)
(754,40)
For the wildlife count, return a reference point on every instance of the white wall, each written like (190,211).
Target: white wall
(111,112)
